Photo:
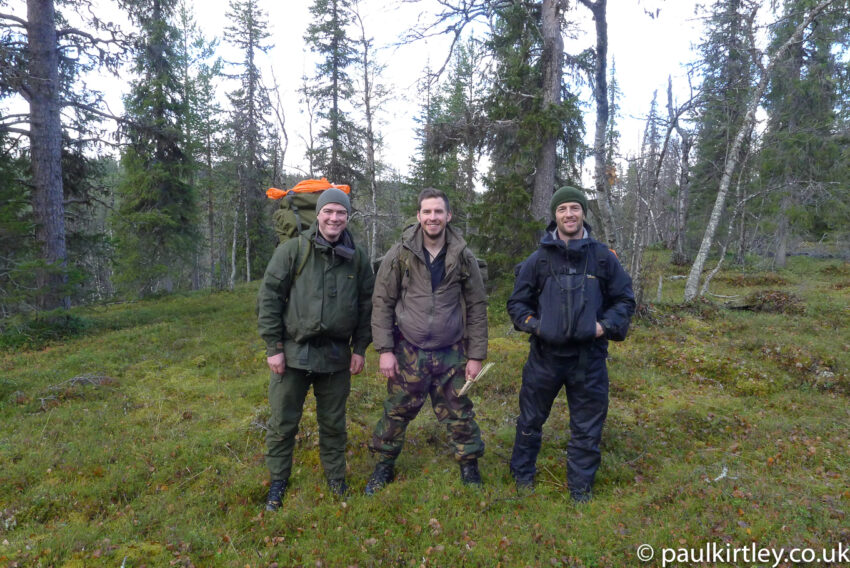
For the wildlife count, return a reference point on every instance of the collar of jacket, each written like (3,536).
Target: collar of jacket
(343,249)
(412,239)
(550,240)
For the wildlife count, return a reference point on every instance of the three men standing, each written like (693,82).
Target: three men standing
(429,323)
(572,295)
(314,313)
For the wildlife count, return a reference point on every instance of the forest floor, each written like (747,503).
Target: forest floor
(141,441)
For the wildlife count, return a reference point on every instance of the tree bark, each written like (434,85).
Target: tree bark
(683,191)
(42,93)
(692,284)
(553,57)
(600,93)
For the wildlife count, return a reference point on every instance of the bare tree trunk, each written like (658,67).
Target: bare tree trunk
(233,246)
(42,93)
(371,171)
(780,258)
(600,93)
(739,208)
(734,156)
(552,61)
(247,244)
(210,210)
(683,191)
(741,245)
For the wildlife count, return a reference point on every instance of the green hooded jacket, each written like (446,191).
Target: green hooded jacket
(314,304)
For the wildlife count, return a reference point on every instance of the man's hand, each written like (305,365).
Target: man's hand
(388,364)
(277,363)
(357,362)
(473,367)
(600,331)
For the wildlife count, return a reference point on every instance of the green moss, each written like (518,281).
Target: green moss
(143,439)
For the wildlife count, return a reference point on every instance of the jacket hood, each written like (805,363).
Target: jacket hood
(412,239)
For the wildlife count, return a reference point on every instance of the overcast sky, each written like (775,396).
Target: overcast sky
(646,50)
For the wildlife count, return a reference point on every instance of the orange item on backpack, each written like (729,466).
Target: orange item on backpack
(306,186)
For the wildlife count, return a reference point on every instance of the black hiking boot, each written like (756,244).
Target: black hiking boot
(581,494)
(384,473)
(275,498)
(338,487)
(469,473)
(524,486)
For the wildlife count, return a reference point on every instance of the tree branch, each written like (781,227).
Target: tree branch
(20,21)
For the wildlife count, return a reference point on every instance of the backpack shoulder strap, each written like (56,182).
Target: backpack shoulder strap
(304,251)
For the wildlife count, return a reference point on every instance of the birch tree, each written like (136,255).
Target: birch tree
(734,154)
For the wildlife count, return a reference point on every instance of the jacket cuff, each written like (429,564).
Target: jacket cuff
(274,348)
(530,324)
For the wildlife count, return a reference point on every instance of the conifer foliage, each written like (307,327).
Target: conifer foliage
(156,221)
(338,155)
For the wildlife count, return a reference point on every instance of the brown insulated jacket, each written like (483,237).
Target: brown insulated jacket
(430,319)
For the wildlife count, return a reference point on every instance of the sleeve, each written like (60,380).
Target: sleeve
(273,295)
(365,286)
(475,298)
(618,300)
(384,299)
(522,304)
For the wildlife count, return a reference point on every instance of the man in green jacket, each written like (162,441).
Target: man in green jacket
(429,323)
(314,312)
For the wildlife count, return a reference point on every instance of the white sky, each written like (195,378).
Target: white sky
(646,50)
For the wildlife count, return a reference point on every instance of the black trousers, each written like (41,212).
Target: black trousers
(584,376)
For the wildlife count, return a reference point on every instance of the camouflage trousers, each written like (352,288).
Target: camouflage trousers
(441,374)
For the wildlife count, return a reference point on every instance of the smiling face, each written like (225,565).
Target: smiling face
(433,216)
(332,218)
(569,217)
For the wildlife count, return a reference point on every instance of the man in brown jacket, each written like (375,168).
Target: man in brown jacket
(429,323)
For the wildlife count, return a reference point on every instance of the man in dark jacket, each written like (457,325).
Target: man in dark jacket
(429,323)
(314,311)
(572,295)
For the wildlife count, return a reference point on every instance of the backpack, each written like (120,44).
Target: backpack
(297,209)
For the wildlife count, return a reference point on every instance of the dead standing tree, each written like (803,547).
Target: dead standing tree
(610,227)
(734,155)
(552,61)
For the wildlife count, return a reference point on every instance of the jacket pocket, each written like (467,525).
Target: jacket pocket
(587,302)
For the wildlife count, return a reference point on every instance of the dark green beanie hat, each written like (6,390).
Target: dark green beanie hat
(333,195)
(568,194)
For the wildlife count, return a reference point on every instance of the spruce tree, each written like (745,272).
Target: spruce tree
(516,123)
(250,145)
(156,224)
(801,163)
(338,154)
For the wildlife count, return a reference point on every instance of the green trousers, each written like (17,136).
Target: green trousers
(287,393)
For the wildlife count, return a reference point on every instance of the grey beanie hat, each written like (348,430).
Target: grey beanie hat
(568,194)
(333,195)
